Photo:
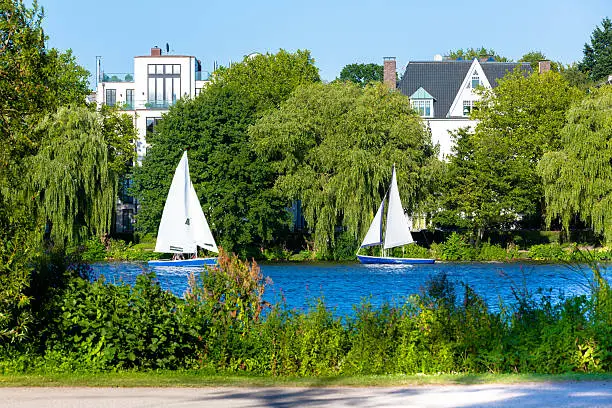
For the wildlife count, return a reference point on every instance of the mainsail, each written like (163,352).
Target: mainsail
(183,226)
(397,231)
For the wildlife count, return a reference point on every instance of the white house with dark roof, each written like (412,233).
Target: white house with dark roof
(442,91)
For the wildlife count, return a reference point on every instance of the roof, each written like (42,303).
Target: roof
(442,79)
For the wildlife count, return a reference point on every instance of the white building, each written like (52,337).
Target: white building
(156,83)
(442,91)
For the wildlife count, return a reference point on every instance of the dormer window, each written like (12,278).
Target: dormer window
(422,102)
(475,80)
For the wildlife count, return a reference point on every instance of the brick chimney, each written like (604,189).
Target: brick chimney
(156,52)
(543,66)
(389,74)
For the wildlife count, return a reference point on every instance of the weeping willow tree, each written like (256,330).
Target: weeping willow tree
(70,182)
(578,178)
(334,146)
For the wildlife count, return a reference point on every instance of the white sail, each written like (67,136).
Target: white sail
(183,225)
(397,232)
(201,231)
(374,235)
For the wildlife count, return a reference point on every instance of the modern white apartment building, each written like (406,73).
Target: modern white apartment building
(157,82)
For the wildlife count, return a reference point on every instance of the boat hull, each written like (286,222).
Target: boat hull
(385,260)
(184,262)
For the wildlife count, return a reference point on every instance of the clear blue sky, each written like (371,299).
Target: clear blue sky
(336,32)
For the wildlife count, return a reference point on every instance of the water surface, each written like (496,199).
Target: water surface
(344,285)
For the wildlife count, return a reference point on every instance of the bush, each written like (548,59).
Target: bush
(548,252)
(488,252)
(456,248)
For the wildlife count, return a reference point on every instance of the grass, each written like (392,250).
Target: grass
(204,378)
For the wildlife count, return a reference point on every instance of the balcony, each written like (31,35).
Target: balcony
(117,77)
(202,76)
(158,104)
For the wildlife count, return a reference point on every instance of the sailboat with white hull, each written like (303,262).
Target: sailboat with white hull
(397,231)
(183,227)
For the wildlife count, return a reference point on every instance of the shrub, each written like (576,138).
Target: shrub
(455,248)
(488,252)
(548,252)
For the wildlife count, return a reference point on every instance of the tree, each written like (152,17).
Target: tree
(534,57)
(73,177)
(35,82)
(362,74)
(574,76)
(471,53)
(492,179)
(268,79)
(578,177)
(334,146)
(234,184)
(597,61)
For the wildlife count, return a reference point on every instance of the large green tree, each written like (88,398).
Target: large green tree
(597,61)
(471,53)
(334,146)
(73,177)
(578,177)
(362,74)
(534,57)
(36,81)
(234,184)
(492,179)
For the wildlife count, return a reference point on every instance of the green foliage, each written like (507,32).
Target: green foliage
(362,74)
(334,146)
(219,324)
(489,252)
(234,184)
(597,61)
(15,270)
(70,179)
(548,252)
(578,177)
(455,248)
(267,80)
(491,178)
(534,57)
(471,53)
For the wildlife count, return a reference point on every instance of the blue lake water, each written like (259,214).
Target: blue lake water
(344,285)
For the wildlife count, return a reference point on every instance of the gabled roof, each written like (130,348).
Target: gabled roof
(421,94)
(442,79)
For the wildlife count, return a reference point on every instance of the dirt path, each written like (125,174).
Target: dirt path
(565,394)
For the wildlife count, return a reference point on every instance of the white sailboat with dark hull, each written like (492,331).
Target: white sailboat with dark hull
(396,233)
(183,227)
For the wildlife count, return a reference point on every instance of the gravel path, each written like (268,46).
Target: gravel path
(563,394)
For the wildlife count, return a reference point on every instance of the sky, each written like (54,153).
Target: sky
(337,33)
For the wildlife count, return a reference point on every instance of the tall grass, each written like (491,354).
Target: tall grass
(224,325)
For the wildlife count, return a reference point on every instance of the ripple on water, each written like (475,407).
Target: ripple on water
(344,285)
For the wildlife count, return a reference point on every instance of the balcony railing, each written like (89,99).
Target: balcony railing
(117,77)
(202,76)
(143,104)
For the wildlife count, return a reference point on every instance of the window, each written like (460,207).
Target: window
(151,123)
(164,84)
(129,98)
(127,220)
(111,97)
(468,107)
(475,80)
(423,107)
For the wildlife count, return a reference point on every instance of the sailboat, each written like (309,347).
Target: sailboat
(397,231)
(183,227)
